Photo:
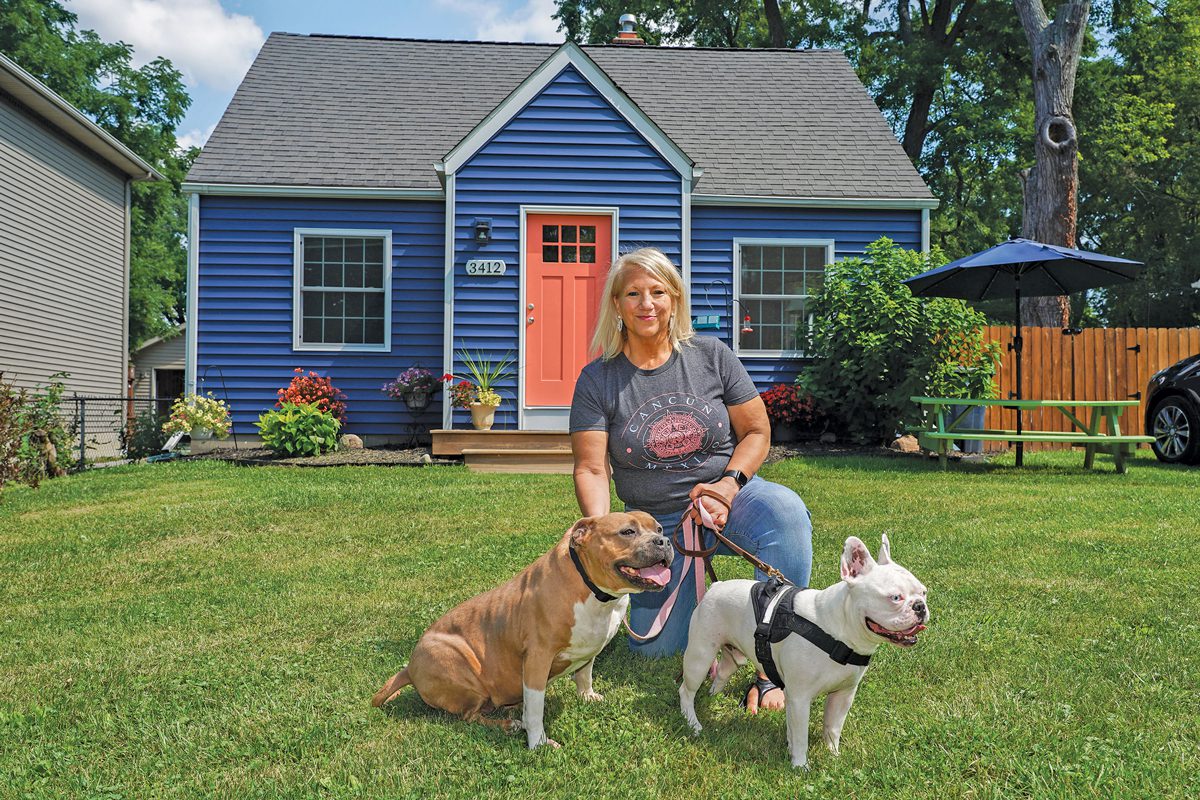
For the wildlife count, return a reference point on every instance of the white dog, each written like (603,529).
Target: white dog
(823,646)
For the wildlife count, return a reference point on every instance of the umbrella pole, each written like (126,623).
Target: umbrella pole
(1018,346)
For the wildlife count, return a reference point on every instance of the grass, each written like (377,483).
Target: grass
(200,629)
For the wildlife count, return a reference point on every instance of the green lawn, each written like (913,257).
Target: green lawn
(201,629)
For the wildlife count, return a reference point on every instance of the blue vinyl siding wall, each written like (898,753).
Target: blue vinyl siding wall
(567,147)
(715,227)
(244,320)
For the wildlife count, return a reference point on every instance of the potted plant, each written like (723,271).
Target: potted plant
(201,416)
(478,394)
(414,386)
(792,412)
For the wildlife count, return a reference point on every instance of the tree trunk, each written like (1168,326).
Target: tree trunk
(775,23)
(1052,186)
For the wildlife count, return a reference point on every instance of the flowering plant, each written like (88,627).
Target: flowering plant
(312,388)
(485,375)
(413,379)
(198,411)
(786,406)
(462,394)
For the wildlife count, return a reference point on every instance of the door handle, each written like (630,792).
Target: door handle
(530,306)
(531,320)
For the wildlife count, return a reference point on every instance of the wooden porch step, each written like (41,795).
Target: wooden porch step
(546,460)
(454,441)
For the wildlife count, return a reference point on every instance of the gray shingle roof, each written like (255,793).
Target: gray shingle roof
(346,111)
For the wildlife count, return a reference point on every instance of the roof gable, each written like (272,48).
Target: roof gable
(377,114)
(568,55)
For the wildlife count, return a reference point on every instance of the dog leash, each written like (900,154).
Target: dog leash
(688,540)
(695,560)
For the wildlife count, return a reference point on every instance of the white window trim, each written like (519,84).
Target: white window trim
(298,235)
(737,290)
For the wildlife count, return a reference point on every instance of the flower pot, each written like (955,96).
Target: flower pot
(783,432)
(417,400)
(482,416)
(200,434)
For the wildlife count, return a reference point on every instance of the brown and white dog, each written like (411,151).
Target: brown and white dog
(502,647)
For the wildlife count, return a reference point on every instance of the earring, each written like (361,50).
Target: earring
(620,324)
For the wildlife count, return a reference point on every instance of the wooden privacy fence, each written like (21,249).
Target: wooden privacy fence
(1094,364)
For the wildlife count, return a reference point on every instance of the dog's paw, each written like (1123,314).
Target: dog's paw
(544,742)
(513,726)
(591,696)
(696,728)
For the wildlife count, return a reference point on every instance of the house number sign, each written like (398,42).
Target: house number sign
(486,266)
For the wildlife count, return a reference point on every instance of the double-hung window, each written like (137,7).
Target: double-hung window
(343,290)
(774,281)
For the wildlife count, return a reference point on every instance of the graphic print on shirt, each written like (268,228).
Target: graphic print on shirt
(675,431)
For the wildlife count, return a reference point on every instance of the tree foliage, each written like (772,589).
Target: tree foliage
(954,80)
(142,108)
(878,346)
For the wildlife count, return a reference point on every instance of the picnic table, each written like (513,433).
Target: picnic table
(944,426)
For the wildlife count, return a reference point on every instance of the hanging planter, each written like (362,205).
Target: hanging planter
(417,400)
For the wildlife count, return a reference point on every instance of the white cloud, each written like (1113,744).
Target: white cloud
(196,137)
(203,41)
(531,22)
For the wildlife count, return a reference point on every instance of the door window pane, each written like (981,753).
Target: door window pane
(587,255)
(587,233)
(549,233)
(568,254)
(550,254)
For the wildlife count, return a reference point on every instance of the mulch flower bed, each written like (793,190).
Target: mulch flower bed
(417,456)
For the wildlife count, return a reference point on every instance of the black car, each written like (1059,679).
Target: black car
(1173,415)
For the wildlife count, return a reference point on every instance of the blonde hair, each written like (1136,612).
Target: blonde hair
(609,340)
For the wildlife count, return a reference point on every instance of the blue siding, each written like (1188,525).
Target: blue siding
(244,320)
(715,227)
(567,147)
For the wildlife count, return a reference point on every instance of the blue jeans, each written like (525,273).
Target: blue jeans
(767,520)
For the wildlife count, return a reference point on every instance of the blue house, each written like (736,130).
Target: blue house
(367,204)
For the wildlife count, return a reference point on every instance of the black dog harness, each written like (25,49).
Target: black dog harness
(773,609)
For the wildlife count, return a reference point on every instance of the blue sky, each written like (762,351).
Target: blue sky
(213,42)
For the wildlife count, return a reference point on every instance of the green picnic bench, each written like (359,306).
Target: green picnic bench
(944,427)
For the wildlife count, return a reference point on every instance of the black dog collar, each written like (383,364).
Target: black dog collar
(600,594)
(783,621)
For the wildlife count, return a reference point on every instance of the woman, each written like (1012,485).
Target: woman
(674,414)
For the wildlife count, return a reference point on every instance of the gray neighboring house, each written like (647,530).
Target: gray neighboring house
(64,241)
(158,367)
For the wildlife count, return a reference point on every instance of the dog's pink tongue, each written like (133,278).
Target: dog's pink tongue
(658,574)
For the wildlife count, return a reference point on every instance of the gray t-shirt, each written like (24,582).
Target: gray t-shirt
(668,427)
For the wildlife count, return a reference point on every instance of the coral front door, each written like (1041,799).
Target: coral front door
(566,261)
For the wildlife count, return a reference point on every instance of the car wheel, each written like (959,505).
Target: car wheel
(1175,426)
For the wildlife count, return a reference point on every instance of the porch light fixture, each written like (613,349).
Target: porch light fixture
(483,230)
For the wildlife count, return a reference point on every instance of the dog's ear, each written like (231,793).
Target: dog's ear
(581,531)
(856,560)
(885,551)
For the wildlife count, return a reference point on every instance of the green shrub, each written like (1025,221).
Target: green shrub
(299,429)
(47,441)
(145,435)
(876,345)
(12,400)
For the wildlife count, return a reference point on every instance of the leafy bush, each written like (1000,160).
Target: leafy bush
(788,405)
(12,401)
(299,429)
(876,345)
(145,436)
(312,388)
(47,442)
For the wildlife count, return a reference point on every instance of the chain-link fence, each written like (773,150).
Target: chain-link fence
(105,430)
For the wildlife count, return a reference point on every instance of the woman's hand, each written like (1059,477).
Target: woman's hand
(726,488)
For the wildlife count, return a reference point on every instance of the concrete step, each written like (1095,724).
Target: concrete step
(452,442)
(546,460)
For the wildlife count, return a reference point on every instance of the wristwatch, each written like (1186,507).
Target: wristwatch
(739,477)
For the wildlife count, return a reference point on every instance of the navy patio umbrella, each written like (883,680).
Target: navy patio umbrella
(1022,266)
